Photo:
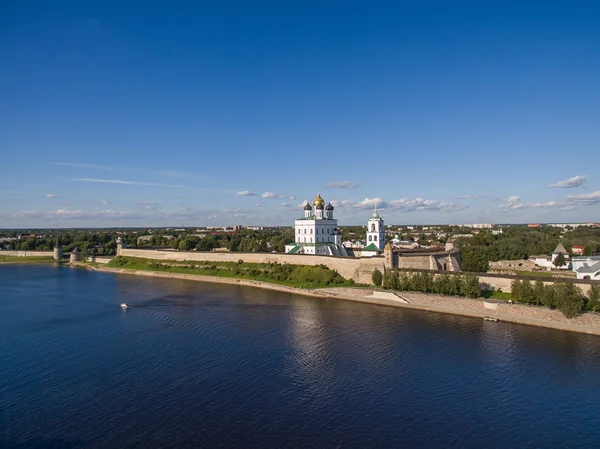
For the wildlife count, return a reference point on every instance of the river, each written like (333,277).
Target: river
(208,365)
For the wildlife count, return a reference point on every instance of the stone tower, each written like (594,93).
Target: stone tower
(58,253)
(120,245)
(388,254)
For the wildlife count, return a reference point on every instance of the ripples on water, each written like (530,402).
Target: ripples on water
(203,365)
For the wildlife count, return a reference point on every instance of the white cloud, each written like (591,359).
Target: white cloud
(548,204)
(341,184)
(50,195)
(285,204)
(292,198)
(575,181)
(342,203)
(468,197)
(370,203)
(269,195)
(245,193)
(421,204)
(513,199)
(589,199)
(152,205)
(105,203)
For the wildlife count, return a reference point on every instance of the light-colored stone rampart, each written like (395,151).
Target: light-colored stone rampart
(26,253)
(358,269)
(350,268)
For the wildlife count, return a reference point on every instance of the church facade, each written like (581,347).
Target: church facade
(317,232)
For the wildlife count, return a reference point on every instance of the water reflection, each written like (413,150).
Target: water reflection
(209,365)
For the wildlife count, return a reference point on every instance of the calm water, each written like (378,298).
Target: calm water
(202,365)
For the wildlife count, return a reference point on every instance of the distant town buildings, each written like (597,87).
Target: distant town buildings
(478,225)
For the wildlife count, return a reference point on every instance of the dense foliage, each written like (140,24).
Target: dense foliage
(564,296)
(458,285)
(521,242)
(301,276)
(103,242)
(377,278)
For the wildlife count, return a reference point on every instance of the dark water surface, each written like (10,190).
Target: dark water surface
(206,365)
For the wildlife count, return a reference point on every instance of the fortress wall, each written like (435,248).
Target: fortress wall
(418,262)
(347,267)
(27,253)
(359,269)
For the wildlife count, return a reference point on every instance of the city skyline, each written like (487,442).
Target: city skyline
(219,115)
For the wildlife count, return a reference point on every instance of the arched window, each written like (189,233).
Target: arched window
(373,227)
(370,238)
(311,230)
(375,238)
(305,231)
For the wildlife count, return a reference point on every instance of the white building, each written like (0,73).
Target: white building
(375,236)
(478,225)
(587,267)
(317,233)
(549,262)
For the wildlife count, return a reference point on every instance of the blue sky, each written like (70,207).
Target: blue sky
(217,113)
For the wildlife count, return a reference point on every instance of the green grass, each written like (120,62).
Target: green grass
(299,276)
(25,260)
(497,295)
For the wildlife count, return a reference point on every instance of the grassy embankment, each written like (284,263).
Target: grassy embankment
(299,276)
(37,259)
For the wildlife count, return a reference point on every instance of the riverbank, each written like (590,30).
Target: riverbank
(588,323)
(4,260)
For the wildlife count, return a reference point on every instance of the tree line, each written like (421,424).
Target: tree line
(455,285)
(521,242)
(564,296)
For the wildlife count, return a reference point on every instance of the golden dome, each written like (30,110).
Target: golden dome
(319,201)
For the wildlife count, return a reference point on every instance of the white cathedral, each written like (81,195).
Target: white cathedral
(317,233)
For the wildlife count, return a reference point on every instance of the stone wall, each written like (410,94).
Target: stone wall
(514,264)
(27,253)
(359,269)
(350,268)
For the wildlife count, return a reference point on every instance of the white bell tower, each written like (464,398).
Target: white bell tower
(376,231)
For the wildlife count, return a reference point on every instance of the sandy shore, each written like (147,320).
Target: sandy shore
(588,323)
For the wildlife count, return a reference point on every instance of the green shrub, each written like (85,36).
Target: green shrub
(377,277)
(593,302)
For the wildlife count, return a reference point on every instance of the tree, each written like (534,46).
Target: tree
(470,287)
(549,298)
(538,292)
(593,303)
(569,299)
(515,289)
(559,260)
(377,277)
(526,292)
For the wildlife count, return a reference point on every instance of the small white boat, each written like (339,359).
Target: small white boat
(489,318)
(124,306)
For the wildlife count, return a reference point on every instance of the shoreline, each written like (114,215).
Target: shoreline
(513,313)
